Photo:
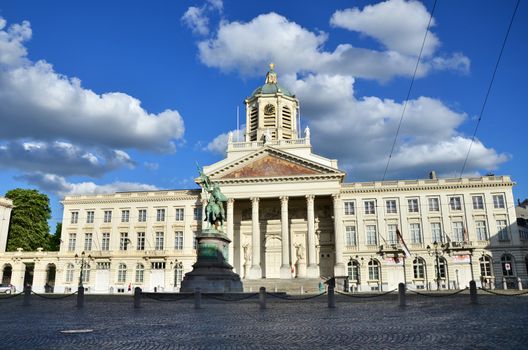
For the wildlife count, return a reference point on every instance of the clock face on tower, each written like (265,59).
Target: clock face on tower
(269,109)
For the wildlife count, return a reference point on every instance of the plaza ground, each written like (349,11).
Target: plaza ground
(359,323)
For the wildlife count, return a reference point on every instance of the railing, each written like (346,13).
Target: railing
(257,144)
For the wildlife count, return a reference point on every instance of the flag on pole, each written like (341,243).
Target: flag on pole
(402,242)
(448,239)
(466,236)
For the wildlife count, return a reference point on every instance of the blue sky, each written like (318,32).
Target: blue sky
(101,96)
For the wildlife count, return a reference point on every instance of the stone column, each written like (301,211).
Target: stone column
(312,270)
(39,277)
(230,231)
(339,267)
(285,270)
(17,275)
(255,272)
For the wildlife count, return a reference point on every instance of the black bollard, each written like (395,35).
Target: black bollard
(401,294)
(137,298)
(197,298)
(80,297)
(262,298)
(27,296)
(331,297)
(473,292)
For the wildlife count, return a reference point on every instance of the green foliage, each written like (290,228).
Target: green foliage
(28,228)
(55,239)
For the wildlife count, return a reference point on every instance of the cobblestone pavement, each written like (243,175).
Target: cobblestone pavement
(377,323)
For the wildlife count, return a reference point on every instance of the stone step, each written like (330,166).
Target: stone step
(294,286)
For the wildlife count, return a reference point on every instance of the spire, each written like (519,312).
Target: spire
(271,76)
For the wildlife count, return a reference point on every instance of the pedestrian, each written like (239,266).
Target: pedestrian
(129,287)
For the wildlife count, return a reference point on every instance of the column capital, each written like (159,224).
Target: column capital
(336,196)
(284,199)
(255,200)
(310,197)
(230,200)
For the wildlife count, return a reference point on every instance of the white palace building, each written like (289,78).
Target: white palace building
(291,218)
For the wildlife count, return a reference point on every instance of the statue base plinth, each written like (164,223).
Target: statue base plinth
(211,272)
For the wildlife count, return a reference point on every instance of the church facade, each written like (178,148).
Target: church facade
(291,217)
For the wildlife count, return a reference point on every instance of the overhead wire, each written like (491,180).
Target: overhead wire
(409,91)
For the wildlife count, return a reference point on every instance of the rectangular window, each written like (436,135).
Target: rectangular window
(370,207)
(391,206)
(90,217)
(179,214)
(107,216)
(350,236)
(74,217)
(478,202)
(391,234)
(157,265)
(482,232)
(436,232)
(160,214)
(434,204)
(498,201)
(142,215)
(125,215)
(455,203)
(372,238)
(458,231)
(195,241)
(88,241)
(71,242)
(105,242)
(140,241)
(197,213)
(503,230)
(123,241)
(416,233)
(412,205)
(178,240)
(159,240)
(350,208)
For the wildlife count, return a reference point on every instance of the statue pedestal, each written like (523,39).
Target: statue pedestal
(211,272)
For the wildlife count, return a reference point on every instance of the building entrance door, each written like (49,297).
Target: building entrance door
(102,281)
(272,259)
(157,280)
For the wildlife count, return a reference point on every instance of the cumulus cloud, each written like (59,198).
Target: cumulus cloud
(37,102)
(219,144)
(62,158)
(360,132)
(196,20)
(399,25)
(246,47)
(61,187)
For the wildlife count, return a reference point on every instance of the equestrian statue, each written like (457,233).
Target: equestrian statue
(214,210)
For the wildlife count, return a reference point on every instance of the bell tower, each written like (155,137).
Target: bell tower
(271,112)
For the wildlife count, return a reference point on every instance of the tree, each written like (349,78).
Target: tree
(55,239)
(29,220)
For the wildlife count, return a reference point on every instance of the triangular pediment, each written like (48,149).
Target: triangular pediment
(270,166)
(272,163)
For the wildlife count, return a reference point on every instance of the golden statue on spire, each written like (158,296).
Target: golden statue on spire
(271,77)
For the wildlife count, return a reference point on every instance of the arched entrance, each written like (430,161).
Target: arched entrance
(28,275)
(7,271)
(51,271)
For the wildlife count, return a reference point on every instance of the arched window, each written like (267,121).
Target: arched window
(485,266)
(178,275)
(140,273)
(86,273)
(69,273)
(121,273)
(419,268)
(442,268)
(374,270)
(507,265)
(353,271)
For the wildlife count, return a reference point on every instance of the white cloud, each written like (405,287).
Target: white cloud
(216,4)
(151,166)
(360,132)
(399,25)
(247,47)
(196,20)
(61,187)
(37,102)
(62,158)
(219,144)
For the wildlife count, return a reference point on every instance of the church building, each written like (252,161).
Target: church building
(293,222)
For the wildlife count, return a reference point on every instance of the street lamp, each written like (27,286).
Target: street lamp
(437,251)
(83,264)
